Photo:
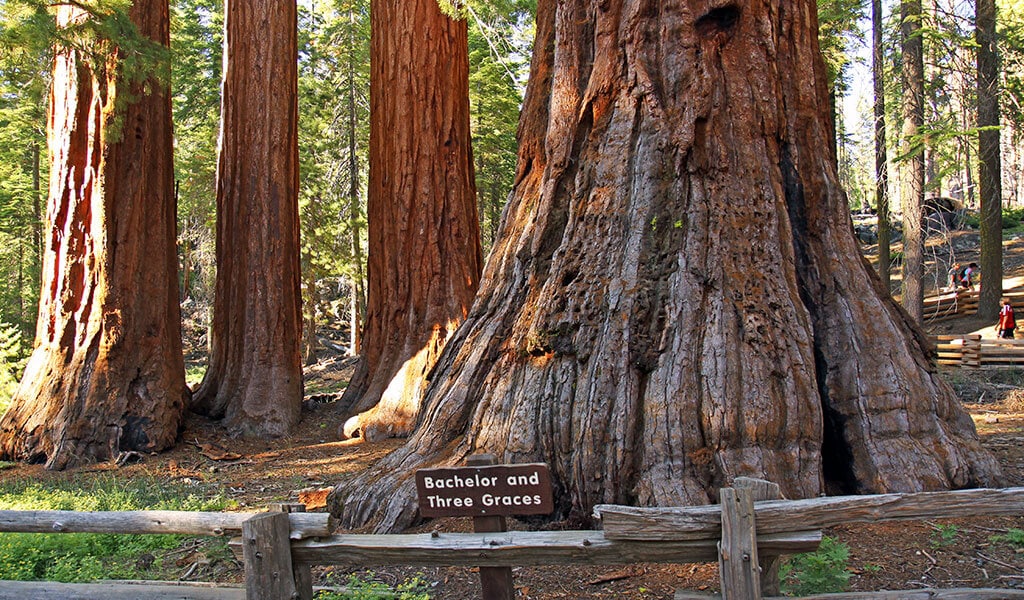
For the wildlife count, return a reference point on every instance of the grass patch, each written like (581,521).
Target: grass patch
(85,557)
(194,374)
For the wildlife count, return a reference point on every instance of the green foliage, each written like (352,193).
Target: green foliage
(197,31)
(823,571)
(365,588)
(837,31)
(500,45)
(12,362)
(24,81)
(89,557)
(944,535)
(334,91)
(1014,537)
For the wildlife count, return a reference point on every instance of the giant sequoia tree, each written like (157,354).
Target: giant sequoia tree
(676,297)
(107,374)
(424,238)
(254,381)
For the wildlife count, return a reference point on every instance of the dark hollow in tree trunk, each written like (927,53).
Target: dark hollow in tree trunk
(106,374)
(254,380)
(424,258)
(676,297)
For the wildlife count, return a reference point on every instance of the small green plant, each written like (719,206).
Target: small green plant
(944,535)
(365,588)
(823,571)
(1014,537)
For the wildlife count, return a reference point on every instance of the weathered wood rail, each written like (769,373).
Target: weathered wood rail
(743,533)
(974,352)
(964,302)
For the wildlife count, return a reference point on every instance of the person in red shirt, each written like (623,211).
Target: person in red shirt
(1006,323)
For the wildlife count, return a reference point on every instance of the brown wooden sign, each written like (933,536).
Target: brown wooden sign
(485,491)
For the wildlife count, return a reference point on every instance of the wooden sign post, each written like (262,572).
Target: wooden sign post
(486,492)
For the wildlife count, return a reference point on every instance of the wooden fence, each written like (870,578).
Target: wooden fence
(974,352)
(952,305)
(743,534)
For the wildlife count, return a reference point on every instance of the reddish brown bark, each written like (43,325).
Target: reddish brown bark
(254,380)
(677,298)
(424,257)
(106,374)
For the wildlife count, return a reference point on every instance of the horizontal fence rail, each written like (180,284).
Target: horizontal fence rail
(975,352)
(952,305)
(210,524)
(774,516)
(279,547)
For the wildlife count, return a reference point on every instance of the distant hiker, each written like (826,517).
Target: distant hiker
(953,276)
(1006,323)
(962,277)
(967,273)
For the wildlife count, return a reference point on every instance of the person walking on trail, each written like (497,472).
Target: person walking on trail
(1007,323)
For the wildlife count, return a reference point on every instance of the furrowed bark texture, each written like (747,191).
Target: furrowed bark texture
(424,239)
(106,374)
(912,166)
(254,380)
(990,187)
(677,297)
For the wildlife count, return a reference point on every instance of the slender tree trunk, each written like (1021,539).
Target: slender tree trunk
(913,167)
(989,166)
(676,297)
(254,381)
(354,208)
(37,208)
(881,156)
(424,237)
(355,320)
(309,328)
(106,374)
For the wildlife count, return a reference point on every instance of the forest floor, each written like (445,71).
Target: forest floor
(958,553)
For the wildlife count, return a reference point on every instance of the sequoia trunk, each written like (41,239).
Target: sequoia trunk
(424,258)
(106,375)
(254,381)
(676,297)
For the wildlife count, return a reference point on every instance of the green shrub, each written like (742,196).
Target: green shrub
(1014,537)
(821,572)
(83,557)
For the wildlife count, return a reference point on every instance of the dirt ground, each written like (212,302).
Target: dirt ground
(906,555)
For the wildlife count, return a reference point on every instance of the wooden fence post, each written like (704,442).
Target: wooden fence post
(300,571)
(737,551)
(495,582)
(267,552)
(764,490)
